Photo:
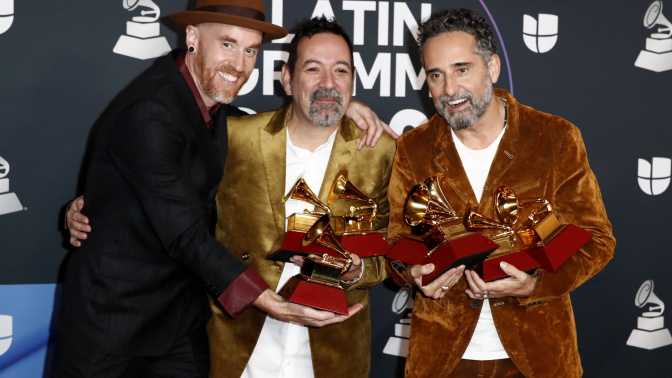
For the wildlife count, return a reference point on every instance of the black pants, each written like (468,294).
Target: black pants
(188,359)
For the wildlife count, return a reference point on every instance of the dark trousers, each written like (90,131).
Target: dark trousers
(187,359)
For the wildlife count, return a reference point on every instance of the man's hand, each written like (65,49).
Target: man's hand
(78,223)
(367,119)
(440,286)
(278,308)
(519,285)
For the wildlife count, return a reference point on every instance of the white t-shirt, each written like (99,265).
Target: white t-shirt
(485,343)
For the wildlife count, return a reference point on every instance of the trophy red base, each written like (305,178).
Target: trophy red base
(489,270)
(468,250)
(366,245)
(291,246)
(561,247)
(324,297)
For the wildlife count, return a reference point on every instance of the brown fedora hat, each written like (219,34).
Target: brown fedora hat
(244,13)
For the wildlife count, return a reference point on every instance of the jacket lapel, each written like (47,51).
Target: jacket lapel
(204,140)
(345,145)
(506,152)
(273,139)
(447,161)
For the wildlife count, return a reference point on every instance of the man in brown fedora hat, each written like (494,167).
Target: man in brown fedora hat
(133,302)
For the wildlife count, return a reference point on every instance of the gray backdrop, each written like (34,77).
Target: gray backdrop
(58,72)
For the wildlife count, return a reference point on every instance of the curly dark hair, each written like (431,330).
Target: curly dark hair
(309,28)
(458,19)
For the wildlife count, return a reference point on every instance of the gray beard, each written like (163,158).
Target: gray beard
(465,118)
(325,115)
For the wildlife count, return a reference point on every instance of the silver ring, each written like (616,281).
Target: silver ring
(445,288)
(486,294)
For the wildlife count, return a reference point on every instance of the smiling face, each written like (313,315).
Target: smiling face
(458,79)
(223,60)
(322,82)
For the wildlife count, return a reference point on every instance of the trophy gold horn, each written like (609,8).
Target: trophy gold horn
(475,220)
(343,188)
(301,191)
(507,205)
(426,203)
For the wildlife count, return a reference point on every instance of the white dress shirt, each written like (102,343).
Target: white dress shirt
(283,349)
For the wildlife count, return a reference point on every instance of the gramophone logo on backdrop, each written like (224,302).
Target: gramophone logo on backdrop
(6,15)
(143,38)
(658,53)
(9,202)
(650,332)
(5,333)
(654,177)
(397,345)
(540,36)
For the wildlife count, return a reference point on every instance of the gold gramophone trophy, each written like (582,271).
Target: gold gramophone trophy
(298,224)
(302,222)
(526,246)
(318,284)
(547,240)
(356,226)
(446,243)
(507,208)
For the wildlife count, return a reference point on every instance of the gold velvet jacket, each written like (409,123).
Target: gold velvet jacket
(539,156)
(251,223)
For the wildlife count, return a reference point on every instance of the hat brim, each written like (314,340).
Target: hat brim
(186,18)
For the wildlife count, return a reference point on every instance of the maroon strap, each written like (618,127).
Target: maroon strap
(234,10)
(207,114)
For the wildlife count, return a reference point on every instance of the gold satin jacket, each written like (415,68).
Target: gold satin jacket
(251,223)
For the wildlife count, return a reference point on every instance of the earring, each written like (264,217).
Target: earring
(191,49)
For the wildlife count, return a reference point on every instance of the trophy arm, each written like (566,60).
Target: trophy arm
(346,260)
(354,209)
(374,207)
(543,209)
(154,11)
(477,221)
(654,311)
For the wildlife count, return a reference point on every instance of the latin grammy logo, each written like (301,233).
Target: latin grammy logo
(658,53)
(650,332)
(143,39)
(397,345)
(9,202)
(654,177)
(541,36)
(5,333)
(6,15)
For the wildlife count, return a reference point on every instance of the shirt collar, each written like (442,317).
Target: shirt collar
(207,114)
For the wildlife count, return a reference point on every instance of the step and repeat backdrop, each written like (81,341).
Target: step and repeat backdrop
(605,66)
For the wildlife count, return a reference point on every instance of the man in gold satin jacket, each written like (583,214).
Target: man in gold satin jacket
(264,150)
(482,138)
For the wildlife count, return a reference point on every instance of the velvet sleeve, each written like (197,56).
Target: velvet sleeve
(401,182)
(576,199)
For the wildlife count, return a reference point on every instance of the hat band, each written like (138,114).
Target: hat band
(234,10)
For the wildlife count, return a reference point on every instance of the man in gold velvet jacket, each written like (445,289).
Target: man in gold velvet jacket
(522,325)
(251,214)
